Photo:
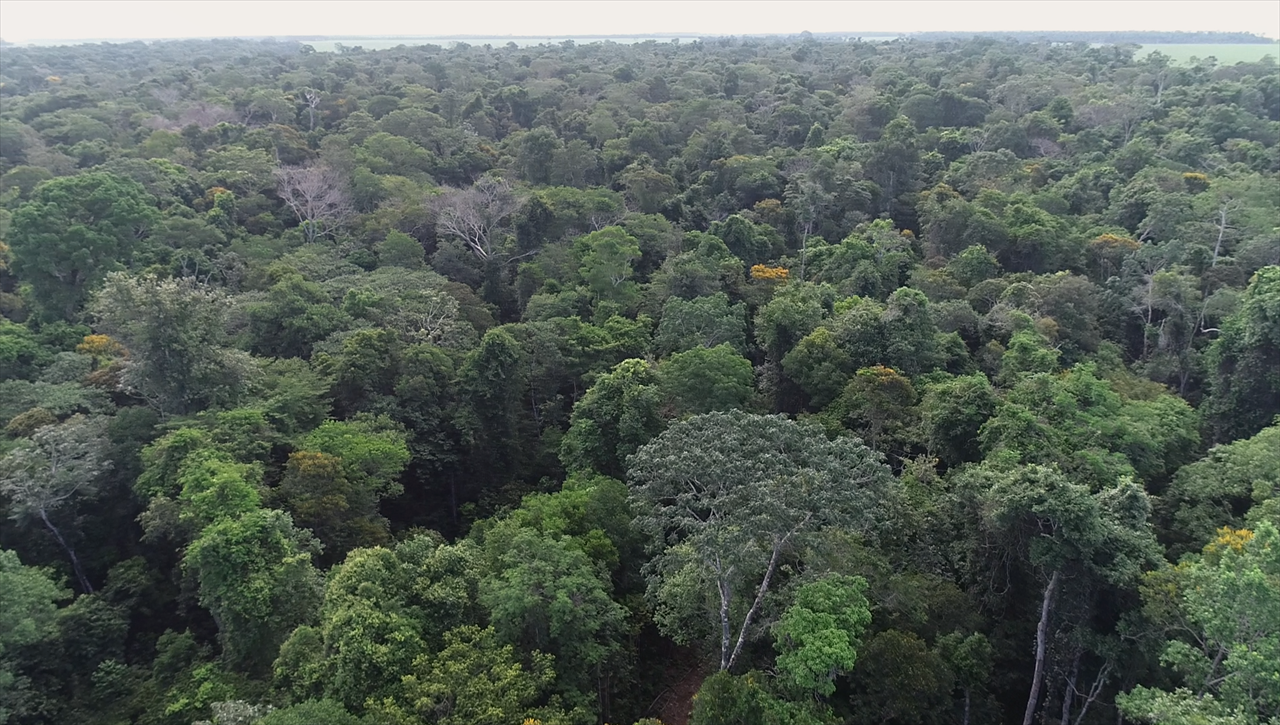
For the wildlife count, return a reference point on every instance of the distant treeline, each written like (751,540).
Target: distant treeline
(1087,36)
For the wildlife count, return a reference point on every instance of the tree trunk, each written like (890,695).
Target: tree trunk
(1042,636)
(1069,691)
(1222,231)
(75,563)
(755,605)
(965,721)
(723,586)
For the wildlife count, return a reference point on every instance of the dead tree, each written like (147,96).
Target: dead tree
(313,102)
(477,216)
(317,195)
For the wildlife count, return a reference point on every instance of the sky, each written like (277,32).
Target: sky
(30,20)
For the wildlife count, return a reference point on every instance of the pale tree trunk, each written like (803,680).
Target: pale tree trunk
(1094,691)
(755,605)
(1069,691)
(1042,636)
(75,562)
(760,592)
(1222,231)
(722,587)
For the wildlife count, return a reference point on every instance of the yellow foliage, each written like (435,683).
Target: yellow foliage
(1196,182)
(54,79)
(879,371)
(100,347)
(1229,538)
(770,274)
(1106,244)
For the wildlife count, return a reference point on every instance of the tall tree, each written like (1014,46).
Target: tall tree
(73,231)
(317,196)
(1069,538)
(175,331)
(257,580)
(726,497)
(28,603)
(1244,362)
(49,470)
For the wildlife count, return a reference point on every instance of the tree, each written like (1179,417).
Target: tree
(819,366)
(1220,490)
(607,256)
(28,607)
(619,413)
(75,230)
(400,250)
(817,636)
(726,496)
(878,406)
(546,595)
(895,159)
(1069,536)
(537,151)
(295,315)
(700,322)
(1223,607)
(316,490)
(175,333)
(1243,362)
(792,313)
(494,382)
(257,580)
(970,660)
(383,608)
(317,196)
(47,471)
(724,699)
(216,487)
(475,680)
(704,379)
(899,679)
(477,216)
(310,713)
(952,413)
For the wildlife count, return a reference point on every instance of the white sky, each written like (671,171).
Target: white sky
(27,20)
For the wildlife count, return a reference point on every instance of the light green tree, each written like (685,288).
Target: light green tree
(1226,608)
(28,607)
(817,636)
(607,257)
(257,580)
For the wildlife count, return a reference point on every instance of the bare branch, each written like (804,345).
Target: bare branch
(478,215)
(317,195)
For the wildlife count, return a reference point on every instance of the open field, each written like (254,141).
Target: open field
(1226,53)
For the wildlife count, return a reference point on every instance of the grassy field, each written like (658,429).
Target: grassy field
(1227,54)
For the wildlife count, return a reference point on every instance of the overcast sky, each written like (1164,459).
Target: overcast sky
(27,20)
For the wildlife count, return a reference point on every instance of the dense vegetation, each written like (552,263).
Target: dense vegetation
(838,382)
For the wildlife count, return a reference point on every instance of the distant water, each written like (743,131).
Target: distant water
(331,44)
